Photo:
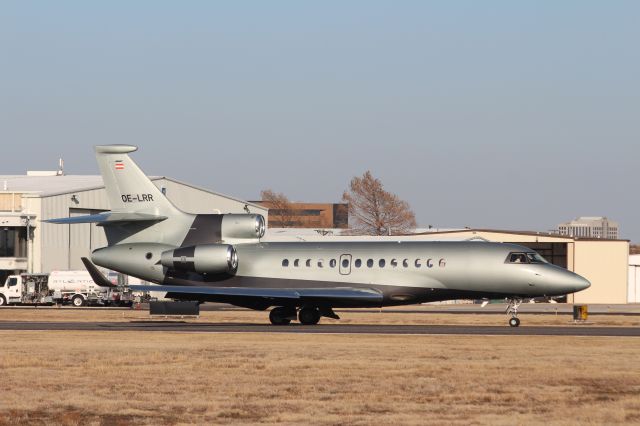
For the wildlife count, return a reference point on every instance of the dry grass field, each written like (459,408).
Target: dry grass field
(121,378)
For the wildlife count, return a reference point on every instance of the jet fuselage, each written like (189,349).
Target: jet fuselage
(405,272)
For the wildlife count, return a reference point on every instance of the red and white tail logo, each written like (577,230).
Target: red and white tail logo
(119,165)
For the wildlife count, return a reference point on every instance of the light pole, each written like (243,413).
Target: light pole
(6,243)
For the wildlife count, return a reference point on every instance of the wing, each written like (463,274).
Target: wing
(336,296)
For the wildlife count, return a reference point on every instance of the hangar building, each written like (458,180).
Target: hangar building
(28,244)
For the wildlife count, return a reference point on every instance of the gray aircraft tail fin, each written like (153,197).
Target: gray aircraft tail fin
(128,188)
(140,212)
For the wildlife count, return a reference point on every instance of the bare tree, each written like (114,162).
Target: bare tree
(374,211)
(281,212)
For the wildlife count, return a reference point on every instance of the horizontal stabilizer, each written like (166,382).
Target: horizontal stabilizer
(338,293)
(96,275)
(108,218)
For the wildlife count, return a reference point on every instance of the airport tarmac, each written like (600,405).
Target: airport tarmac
(493,308)
(179,326)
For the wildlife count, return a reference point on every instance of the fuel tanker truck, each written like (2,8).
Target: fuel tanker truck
(61,287)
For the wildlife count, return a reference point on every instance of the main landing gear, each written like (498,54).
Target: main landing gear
(282,315)
(308,315)
(512,309)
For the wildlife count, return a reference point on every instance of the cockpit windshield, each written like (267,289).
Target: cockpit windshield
(529,257)
(517,258)
(536,258)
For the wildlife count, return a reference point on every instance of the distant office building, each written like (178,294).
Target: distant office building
(308,215)
(590,227)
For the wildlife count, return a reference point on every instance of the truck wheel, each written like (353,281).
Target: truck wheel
(3,301)
(77,301)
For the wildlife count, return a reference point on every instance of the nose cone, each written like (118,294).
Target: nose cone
(560,281)
(581,283)
(575,282)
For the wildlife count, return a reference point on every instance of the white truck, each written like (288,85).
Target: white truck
(60,287)
(25,289)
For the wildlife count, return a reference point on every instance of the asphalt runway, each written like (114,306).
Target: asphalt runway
(178,326)
(492,309)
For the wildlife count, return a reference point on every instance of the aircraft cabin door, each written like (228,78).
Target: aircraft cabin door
(345,264)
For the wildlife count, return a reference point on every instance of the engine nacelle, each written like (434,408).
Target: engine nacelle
(242,226)
(204,259)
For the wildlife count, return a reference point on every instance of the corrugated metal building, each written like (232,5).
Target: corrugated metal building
(28,244)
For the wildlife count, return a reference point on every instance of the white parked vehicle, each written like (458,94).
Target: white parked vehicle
(60,287)
(25,289)
(76,287)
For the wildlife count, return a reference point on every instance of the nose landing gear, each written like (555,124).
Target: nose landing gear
(512,309)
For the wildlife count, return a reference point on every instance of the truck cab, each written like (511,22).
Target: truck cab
(10,290)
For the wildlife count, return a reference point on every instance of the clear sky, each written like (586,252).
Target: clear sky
(501,114)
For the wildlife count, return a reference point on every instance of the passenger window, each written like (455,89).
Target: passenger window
(296,263)
(429,263)
(285,263)
(517,258)
(443,263)
(394,263)
(308,263)
(358,263)
(405,263)
(381,263)
(370,263)
(13,282)
(320,263)
(345,263)
(332,263)
(418,263)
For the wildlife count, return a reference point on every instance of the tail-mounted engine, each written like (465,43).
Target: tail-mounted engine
(242,226)
(203,259)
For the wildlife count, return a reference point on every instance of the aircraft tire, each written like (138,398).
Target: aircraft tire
(277,317)
(514,322)
(309,316)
